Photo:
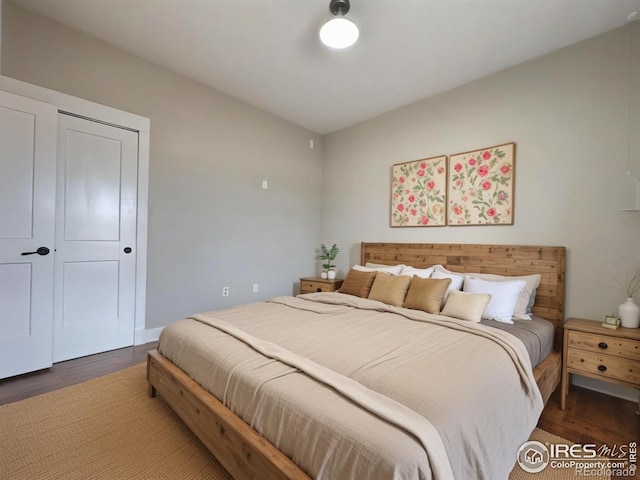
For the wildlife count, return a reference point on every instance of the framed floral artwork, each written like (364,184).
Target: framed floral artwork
(419,192)
(481,186)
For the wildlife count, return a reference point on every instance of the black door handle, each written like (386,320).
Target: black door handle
(40,251)
(127,249)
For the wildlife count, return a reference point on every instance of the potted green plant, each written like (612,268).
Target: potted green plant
(328,255)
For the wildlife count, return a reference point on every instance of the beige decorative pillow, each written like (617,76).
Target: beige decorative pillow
(466,306)
(358,283)
(390,289)
(426,294)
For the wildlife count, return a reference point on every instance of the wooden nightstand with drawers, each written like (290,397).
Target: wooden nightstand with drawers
(317,284)
(597,352)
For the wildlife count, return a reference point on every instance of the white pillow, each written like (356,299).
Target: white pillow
(527,295)
(504,296)
(456,279)
(390,269)
(373,265)
(466,306)
(420,272)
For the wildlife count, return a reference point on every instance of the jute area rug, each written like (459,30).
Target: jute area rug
(108,428)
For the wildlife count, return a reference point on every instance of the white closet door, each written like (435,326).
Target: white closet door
(94,306)
(27,199)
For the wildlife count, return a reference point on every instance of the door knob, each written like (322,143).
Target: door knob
(127,250)
(40,251)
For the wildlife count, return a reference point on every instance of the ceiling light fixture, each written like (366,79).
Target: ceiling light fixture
(339,32)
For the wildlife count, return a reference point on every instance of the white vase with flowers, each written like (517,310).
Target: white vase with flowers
(629,311)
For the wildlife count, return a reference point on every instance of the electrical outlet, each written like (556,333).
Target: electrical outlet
(256,288)
(225,291)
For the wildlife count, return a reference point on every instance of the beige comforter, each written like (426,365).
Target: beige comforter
(351,388)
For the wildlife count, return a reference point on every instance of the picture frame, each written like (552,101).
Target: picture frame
(612,320)
(419,193)
(480,190)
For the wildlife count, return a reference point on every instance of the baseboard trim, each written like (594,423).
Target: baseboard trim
(606,388)
(145,336)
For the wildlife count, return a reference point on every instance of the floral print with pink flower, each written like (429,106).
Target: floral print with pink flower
(480,189)
(418,193)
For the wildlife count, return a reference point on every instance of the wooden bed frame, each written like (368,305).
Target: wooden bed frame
(247,455)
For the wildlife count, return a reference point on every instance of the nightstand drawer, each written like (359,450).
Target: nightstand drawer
(620,347)
(606,366)
(306,286)
(309,286)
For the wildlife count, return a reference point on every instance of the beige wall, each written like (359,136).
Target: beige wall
(567,113)
(210,222)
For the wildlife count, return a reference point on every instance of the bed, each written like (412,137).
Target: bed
(247,454)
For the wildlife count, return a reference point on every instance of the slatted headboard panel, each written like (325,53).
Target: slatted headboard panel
(496,259)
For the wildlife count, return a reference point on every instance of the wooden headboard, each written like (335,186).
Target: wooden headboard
(496,259)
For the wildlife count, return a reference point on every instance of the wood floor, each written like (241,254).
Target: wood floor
(68,373)
(590,417)
(593,418)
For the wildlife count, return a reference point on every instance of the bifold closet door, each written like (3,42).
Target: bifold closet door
(27,200)
(94,296)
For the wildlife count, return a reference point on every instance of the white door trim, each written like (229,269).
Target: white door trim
(121,118)
(76,105)
(141,239)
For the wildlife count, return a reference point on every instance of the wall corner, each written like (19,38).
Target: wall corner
(1,2)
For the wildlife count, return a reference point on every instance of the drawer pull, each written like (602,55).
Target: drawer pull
(603,345)
(318,289)
(602,368)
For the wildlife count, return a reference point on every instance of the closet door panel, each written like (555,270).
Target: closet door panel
(91,292)
(94,307)
(15,298)
(92,187)
(27,199)
(18,158)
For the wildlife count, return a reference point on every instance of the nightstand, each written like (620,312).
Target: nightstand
(594,351)
(317,284)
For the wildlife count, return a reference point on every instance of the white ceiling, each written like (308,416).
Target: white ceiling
(267,52)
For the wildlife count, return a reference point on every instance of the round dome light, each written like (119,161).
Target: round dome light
(339,32)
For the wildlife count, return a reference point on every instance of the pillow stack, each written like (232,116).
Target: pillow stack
(436,290)
(526,297)
(503,297)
